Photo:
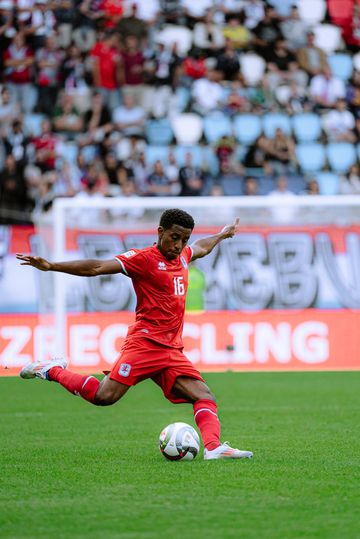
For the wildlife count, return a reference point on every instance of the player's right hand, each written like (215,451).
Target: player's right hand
(35,261)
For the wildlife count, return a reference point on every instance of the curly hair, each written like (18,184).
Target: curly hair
(176,217)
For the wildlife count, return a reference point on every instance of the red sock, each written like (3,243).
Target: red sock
(85,386)
(205,415)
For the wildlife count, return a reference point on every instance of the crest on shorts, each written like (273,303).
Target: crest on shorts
(124,369)
(183,261)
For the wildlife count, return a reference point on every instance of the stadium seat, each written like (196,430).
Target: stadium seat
(252,67)
(341,65)
(210,161)
(247,128)
(216,125)
(89,153)
(328,37)
(180,35)
(328,183)
(68,151)
(306,127)
(273,120)
(159,132)
(32,124)
(282,7)
(196,152)
(154,153)
(311,156)
(232,186)
(182,98)
(187,128)
(341,155)
(311,11)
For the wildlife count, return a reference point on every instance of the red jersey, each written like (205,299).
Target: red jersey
(108,59)
(160,286)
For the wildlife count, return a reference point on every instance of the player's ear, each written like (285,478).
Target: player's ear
(160,231)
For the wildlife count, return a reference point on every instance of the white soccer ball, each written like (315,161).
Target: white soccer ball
(179,441)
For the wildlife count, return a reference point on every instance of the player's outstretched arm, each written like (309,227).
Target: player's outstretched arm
(204,246)
(83,268)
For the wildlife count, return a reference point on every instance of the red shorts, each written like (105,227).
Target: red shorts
(142,358)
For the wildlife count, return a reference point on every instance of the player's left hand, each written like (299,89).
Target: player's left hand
(230,230)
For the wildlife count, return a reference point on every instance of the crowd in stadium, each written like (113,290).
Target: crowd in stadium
(178,98)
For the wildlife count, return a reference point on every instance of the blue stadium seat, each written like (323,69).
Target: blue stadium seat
(341,65)
(282,7)
(183,98)
(341,155)
(247,128)
(32,124)
(68,151)
(158,132)
(216,126)
(232,187)
(210,160)
(154,153)
(311,156)
(328,183)
(196,152)
(306,127)
(273,120)
(89,153)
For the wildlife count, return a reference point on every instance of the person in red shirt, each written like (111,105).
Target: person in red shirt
(153,347)
(108,69)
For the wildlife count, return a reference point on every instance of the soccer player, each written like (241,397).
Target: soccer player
(153,346)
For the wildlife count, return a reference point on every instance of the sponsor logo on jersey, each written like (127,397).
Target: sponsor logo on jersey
(162,266)
(128,254)
(183,261)
(124,369)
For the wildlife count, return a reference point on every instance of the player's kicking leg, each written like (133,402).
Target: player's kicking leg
(90,388)
(205,415)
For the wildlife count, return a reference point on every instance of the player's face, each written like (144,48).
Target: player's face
(171,241)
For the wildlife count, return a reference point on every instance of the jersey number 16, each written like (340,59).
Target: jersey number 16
(179,287)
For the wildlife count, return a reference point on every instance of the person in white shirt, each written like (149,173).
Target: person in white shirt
(128,118)
(282,213)
(207,93)
(339,123)
(326,89)
(350,182)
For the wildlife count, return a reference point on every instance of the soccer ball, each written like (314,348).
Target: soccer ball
(179,441)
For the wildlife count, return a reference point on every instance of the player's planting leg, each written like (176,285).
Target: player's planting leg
(88,387)
(206,418)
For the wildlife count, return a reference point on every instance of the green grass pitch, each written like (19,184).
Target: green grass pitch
(70,470)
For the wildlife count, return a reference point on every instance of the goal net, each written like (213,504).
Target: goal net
(284,293)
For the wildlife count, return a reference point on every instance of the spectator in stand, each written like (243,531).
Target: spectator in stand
(257,154)
(88,13)
(129,119)
(13,193)
(165,64)
(282,213)
(312,188)
(339,123)
(228,7)
(134,64)
(350,182)
(7,27)
(250,187)
(294,100)
(67,118)
(311,58)
(65,14)
(216,190)
(254,13)
(97,121)
(172,172)
(281,189)
(192,178)
(158,184)
(236,32)
(237,99)
(132,25)
(195,11)
(225,149)
(113,11)
(207,93)
(18,62)
(208,36)
(353,94)
(16,143)
(172,12)
(48,60)
(325,89)
(193,67)
(141,172)
(44,148)
(228,62)
(230,177)
(267,32)
(148,11)
(294,30)
(68,180)
(41,24)
(74,76)
(9,110)
(281,152)
(107,65)
(283,68)
(351,30)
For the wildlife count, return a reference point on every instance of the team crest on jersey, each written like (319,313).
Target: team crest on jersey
(124,369)
(183,261)
(161,266)
(128,254)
